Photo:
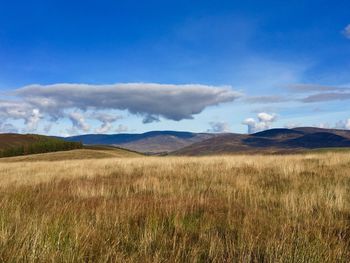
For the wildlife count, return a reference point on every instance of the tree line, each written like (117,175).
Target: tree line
(42,146)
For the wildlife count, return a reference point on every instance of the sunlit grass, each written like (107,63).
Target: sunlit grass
(177,209)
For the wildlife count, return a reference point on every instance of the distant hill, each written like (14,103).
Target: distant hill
(23,144)
(270,141)
(149,142)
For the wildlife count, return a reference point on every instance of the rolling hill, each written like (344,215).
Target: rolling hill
(149,142)
(93,153)
(181,143)
(270,141)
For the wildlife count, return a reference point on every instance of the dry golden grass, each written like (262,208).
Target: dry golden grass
(79,154)
(177,209)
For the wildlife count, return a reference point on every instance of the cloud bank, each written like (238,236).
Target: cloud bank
(151,101)
(174,102)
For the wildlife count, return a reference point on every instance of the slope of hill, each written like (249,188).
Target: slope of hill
(279,133)
(98,152)
(23,144)
(310,130)
(149,142)
(270,141)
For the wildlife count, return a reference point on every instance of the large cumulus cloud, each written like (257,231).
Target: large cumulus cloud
(174,102)
(150,100)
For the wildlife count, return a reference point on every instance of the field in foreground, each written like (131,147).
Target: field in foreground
(179,209)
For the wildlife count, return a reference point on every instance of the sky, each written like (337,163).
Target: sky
(77,67)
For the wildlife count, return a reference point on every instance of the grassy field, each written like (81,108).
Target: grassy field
(176,209)
(79,154)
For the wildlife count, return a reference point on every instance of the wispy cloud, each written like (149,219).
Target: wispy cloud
(266,99)
(321,97)
(346,31)
(78,121)
(306,88)
(106,119)
(320,93)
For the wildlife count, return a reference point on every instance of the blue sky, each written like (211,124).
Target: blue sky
(72,67)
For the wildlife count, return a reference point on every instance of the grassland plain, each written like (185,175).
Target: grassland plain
(291,208)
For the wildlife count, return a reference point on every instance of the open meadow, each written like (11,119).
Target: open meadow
(290,208)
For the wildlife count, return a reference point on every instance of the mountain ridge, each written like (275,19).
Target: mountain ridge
(148,142)
(271,141)
(191,143)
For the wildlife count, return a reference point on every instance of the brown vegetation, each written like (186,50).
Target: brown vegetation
(177,209)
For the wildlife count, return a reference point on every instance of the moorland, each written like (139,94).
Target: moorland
(106,205)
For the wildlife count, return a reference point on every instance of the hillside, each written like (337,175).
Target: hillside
(270,141)
(23,144)
(92,153)
(149,142)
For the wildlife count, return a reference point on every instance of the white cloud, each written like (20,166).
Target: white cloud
(20,110)
(346,31)
(105,127)
(15,110)
(107,121)
(265,117)
(150,100)
(33,120)
(219,127)
(78,121)
(264,122)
